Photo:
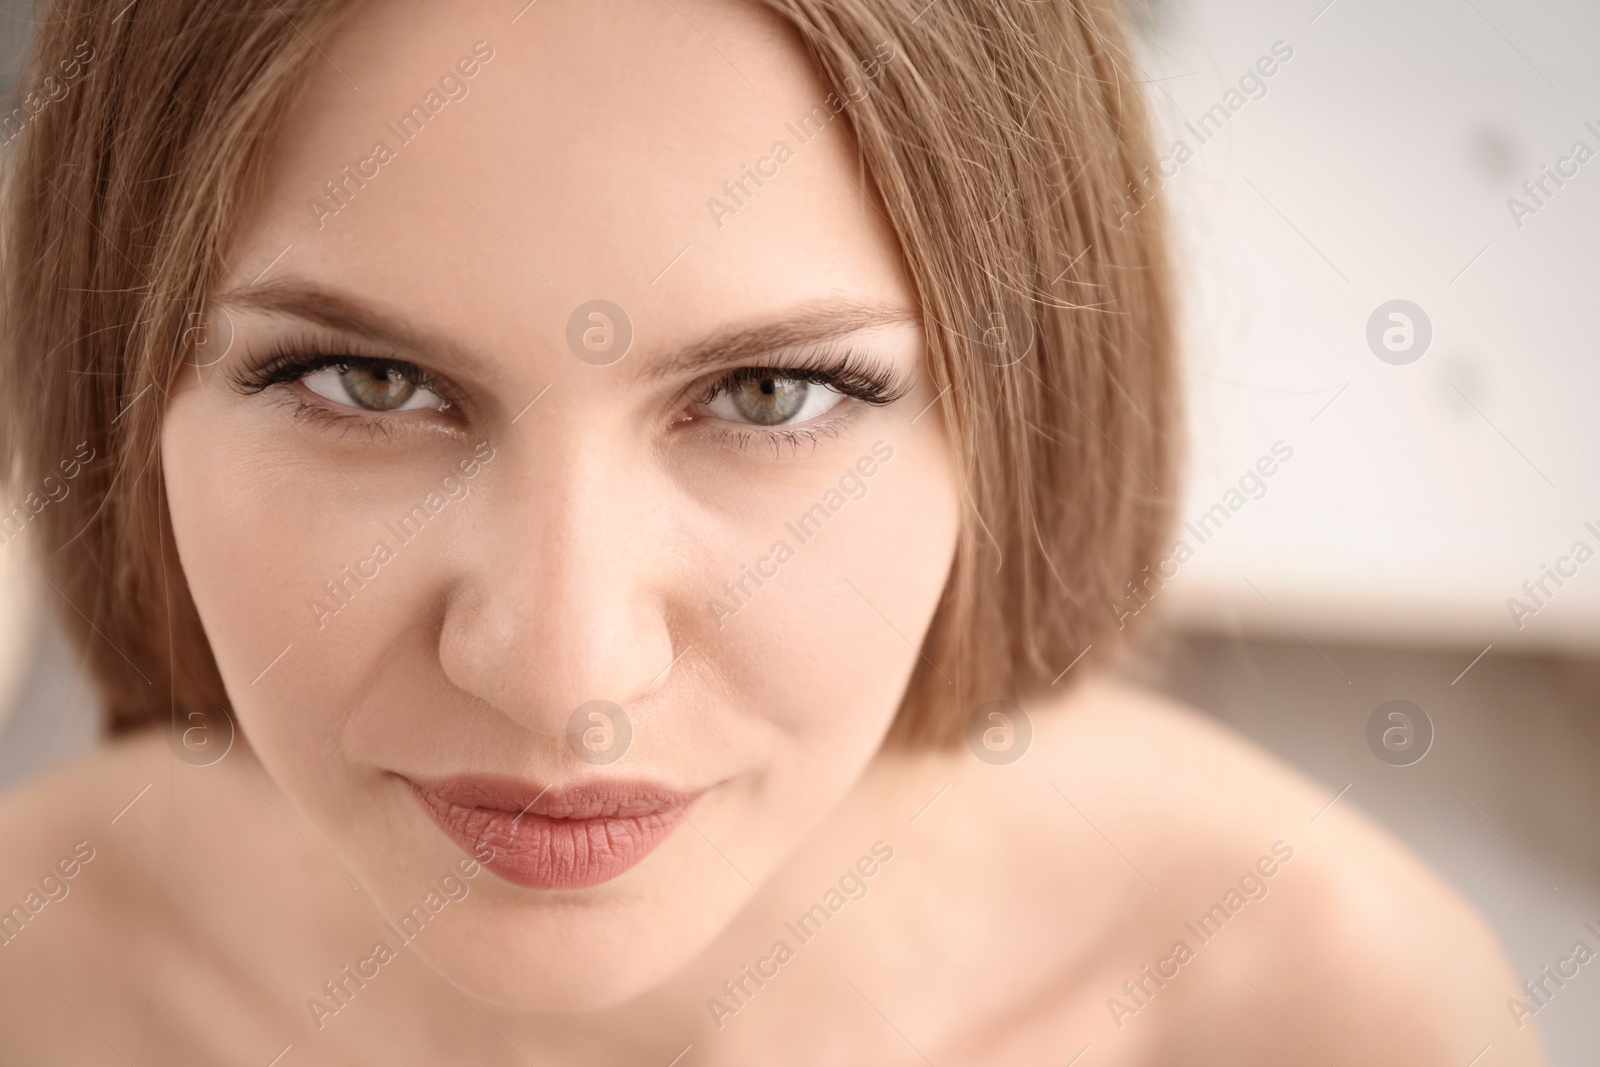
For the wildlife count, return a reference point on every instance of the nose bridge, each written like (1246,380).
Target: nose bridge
(565,605)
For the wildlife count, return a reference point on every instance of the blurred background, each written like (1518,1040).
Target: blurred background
(1436,461)
(1428,483)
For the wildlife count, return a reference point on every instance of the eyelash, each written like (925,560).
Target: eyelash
(844,370)
(294,359)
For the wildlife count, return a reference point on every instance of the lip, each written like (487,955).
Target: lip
(550,837)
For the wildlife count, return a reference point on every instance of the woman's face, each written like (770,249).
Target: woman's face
(573,492)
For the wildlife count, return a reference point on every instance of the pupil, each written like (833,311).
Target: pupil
(770,401)
(378,388)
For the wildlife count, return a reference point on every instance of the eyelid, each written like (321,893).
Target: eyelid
(292,358)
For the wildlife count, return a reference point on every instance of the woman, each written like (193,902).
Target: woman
(597,549)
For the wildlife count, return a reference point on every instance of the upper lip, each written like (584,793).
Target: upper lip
(596,798)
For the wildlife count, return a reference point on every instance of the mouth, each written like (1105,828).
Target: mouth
(548,837)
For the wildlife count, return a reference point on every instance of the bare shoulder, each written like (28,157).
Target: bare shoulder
(131,862)
(73,808)
(1215,904)
(65,887)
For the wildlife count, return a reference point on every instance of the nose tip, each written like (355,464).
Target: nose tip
(576,680)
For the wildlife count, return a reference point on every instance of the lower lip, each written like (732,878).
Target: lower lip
(545,852)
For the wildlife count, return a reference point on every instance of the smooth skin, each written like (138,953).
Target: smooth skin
(610,510)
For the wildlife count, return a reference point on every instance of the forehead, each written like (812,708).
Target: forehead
(648,154)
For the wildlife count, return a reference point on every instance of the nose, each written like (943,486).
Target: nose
(560,590)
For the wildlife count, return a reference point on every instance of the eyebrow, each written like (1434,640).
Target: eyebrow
(344,313)
(808,324)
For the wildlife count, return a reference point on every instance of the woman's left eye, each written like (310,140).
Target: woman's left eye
(769,398)
(373,386)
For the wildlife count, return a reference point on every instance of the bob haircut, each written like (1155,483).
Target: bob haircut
(1004,138)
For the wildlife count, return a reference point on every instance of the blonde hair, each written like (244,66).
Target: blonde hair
(1001,136)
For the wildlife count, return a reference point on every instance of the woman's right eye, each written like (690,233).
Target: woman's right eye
(374,385)
(772,399)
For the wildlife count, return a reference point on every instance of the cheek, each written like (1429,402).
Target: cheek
(259,530)
(810,665)
(826,646)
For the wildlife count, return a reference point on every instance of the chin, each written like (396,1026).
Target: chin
(567,964)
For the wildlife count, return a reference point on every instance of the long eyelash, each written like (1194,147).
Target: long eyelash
(847,371)
(297,357)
